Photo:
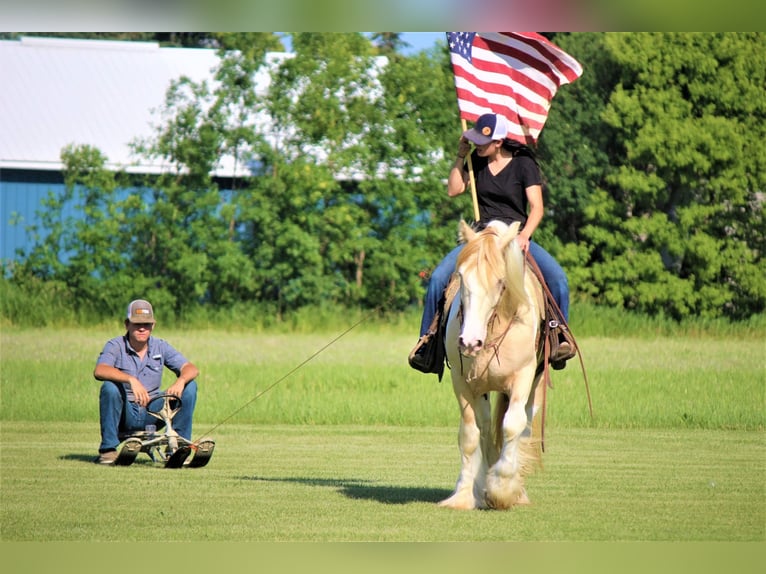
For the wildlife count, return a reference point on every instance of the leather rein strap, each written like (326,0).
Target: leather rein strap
(554,318)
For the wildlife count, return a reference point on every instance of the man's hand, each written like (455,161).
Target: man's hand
(177,388)
(139,392)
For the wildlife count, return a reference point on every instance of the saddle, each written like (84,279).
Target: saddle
(557,342)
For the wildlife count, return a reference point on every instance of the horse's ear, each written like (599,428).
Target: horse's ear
(510,234)
(465,233)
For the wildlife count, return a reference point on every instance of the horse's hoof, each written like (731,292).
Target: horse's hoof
(456,503)
(506,503)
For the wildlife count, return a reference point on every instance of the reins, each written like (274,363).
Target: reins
(297,367)
(549,326)
(495,345)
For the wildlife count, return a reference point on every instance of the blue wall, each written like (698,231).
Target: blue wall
(21,196)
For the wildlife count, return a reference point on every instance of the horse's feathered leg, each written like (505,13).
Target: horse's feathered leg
(474,438)
(505,480)
(534,405)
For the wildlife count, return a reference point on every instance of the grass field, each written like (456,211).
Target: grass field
(359,483)
(355,446)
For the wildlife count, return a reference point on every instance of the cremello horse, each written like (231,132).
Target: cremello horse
(492,345)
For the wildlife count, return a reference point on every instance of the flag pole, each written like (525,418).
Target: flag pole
(472,179)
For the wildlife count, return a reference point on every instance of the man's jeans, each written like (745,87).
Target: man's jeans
(554,276)
(118,414)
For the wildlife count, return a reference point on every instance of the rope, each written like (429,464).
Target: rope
(291,371)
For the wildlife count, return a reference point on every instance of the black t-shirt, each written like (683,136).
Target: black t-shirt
(503,196)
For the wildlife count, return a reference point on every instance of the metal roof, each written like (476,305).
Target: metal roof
(55,92)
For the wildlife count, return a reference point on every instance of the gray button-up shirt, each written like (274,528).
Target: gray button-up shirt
(119,354)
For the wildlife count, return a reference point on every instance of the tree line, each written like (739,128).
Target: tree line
(654,162)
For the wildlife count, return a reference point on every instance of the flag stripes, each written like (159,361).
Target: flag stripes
(515,74)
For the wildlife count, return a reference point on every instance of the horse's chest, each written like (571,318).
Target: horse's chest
(486,373)
(498,363)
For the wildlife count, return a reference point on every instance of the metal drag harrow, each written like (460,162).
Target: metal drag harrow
(165,446)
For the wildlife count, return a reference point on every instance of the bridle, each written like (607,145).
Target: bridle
(494,344)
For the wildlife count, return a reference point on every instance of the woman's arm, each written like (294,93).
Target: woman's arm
(457,180)
(534,217)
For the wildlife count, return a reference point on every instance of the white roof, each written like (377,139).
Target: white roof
(106,94)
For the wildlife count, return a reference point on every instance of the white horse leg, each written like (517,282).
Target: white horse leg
(474,427)
(534,404)
(488,449)
(505,481)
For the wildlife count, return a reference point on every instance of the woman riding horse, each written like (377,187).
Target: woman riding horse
(508,189)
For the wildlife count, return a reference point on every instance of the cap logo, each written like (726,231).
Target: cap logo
(486,130)
(141,311)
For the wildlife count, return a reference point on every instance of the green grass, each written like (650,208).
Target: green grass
(363,378)
(365,483)
(356,446)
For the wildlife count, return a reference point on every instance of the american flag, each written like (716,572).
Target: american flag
(515,74)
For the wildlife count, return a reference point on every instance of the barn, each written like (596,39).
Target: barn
(105,94)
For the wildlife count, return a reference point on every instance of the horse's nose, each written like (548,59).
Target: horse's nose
(469,348)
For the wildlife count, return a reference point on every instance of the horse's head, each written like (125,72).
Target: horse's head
(481,266)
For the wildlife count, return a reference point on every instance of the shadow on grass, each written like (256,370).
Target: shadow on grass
(367,490)
(79,457)
(91,459)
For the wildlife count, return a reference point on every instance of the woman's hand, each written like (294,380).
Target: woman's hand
(523,242)
(463,148)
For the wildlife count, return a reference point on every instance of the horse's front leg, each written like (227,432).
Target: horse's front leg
(474,429)
(505,480)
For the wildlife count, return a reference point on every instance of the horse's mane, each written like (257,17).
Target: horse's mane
(491,263)
(483,254)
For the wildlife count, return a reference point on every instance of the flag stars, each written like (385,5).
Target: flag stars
(460,43)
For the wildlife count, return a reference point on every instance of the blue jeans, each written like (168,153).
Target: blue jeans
(552,272)
(118,414)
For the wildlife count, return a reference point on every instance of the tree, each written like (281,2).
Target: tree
(193,236)
(574,150)
(378,128)
(654,163)
(389,43)
(690,113)
(671,223)
(82,248)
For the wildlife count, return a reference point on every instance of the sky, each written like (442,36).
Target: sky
(422,40)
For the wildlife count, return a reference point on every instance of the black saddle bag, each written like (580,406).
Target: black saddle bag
(428,355)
